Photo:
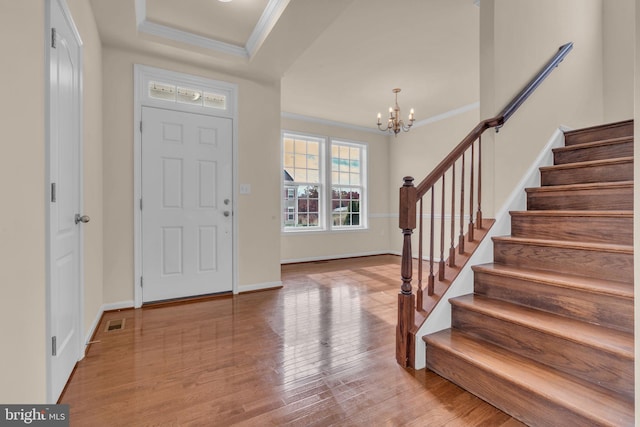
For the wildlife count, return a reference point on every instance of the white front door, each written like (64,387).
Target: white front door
(65,184)
(187,241)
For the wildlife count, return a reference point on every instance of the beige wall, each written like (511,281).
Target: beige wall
(307,246)
(258,165)
(517,38)
(22,217)
(23,182)
(418,152)
(92,152)
(618,60)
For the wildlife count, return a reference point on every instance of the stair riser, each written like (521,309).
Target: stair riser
(616,130)
(583,361)
(606,310)
(591,263)
(600,152)
(530,408)
(617,198)
(587,174)
(594,229)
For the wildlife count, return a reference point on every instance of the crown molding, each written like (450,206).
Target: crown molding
(265,24)
(448,114)
(432,119)
(326,122)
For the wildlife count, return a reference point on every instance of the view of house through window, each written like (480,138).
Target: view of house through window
(313,199)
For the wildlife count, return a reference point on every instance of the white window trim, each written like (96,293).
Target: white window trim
(364,151)
(325,220)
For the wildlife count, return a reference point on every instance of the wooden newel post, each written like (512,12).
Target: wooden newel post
(406,298)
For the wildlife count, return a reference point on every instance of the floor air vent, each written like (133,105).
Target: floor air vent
(114,325)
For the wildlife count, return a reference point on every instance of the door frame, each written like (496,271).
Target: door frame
(142,75)
(51,398)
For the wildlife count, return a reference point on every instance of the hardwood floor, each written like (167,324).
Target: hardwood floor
(317,352)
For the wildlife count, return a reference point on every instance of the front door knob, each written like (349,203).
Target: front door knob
(84,218)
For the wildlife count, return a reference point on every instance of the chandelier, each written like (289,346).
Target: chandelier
(395,124)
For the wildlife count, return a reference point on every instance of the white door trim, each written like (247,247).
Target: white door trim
(50,395)
(142,76)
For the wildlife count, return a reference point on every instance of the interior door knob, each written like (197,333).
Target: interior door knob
(84,218)
(226,213)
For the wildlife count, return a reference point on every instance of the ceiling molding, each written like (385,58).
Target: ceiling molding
(326,122)
(447,114)
(265,24)
(443,116)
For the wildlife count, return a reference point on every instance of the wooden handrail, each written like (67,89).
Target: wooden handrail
(495,122)
(535,82)
(410,196)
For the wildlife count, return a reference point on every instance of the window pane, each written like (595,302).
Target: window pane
(301,160)
(189,96)
(288,145)
(162,91)
(313,175)
(313,161)
(288,160)
(354,153)
(300,175)
(344,178)
(301,146)
(215,100)
(344,151)
(354,179)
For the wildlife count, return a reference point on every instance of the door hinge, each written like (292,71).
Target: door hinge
(53,38)
(141,203)
(141,282)
(54,349)
(53,192)
(140,126)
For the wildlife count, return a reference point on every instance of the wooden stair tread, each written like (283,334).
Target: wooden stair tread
(588,246)
(589,163)
(574,214)
(603,142)
(605,339)
(579,187)
(604,131)
(581,283)
(605,407)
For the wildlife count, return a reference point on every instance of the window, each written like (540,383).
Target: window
(346,184)
(185,95)
(315,200)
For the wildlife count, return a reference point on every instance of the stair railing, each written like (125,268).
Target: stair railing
(412,199)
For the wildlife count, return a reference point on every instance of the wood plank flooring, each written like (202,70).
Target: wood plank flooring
(317,352)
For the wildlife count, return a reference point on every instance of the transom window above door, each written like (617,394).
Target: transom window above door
(186,95)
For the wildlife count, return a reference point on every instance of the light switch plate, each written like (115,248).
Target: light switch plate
(245,188)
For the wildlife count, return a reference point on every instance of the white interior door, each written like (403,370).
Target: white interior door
(187,241)
(65,257)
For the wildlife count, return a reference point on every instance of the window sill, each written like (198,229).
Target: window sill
(324,231)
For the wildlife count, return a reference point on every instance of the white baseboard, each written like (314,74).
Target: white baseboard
(331,257)
(96,321)
(259,287)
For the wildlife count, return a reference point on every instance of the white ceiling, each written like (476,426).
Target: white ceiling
(338,59)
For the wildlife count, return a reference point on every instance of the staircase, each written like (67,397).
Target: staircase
(547,335)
